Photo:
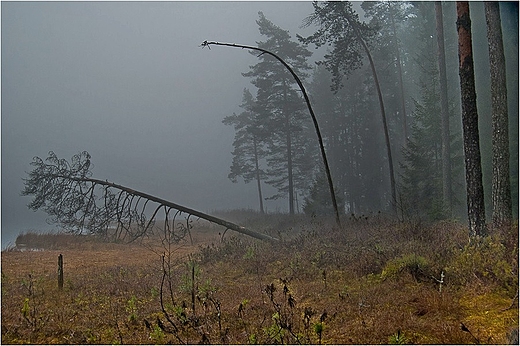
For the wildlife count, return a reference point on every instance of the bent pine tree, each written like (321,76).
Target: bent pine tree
(77,202)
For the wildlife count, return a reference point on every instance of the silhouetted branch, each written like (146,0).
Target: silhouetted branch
(69,195)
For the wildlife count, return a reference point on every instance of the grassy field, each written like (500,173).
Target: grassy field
(375,282)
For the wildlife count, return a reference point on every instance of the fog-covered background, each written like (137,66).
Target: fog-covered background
(128,82)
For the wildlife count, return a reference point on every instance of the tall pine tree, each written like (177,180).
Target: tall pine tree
(339,27)
(474,187)
(445,116)
(248,146)
(389,17)
(421,168)
(423,164)
(283,111)
(501,189)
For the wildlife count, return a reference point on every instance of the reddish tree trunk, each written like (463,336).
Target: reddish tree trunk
(501,188)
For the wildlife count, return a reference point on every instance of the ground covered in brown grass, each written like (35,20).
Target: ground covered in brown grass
(374,282)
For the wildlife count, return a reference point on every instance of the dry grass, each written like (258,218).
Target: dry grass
(318,285)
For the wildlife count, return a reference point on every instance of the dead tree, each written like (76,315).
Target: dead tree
(77,202)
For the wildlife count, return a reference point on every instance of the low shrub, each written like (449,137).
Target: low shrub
(485,259)
(372,282)
(412,264)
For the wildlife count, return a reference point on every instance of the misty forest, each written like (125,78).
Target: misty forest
(395,161)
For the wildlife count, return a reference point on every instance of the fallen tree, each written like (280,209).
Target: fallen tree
(77,202)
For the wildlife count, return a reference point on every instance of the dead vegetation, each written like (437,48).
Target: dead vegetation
(377,281)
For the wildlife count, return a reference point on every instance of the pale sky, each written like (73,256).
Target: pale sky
(128,82)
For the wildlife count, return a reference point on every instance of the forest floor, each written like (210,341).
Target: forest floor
(376,281)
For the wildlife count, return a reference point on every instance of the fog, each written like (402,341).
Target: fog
(128,82)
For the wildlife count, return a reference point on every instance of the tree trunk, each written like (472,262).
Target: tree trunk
(289,151)
(501,188)
(311,112)
(290,170)
(383,116)
(178,207)
(445,117)
(400,72)
(257,173)
(60,272)
(474,188)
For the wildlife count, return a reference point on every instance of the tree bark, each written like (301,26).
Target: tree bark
(474,188)
(501,187)
(445,117)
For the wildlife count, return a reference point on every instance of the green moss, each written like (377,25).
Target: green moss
(490,316)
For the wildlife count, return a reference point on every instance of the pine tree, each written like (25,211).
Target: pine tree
(474,187)
(422,174)
(501,186)
(389,16)
(317,202)
(283,111)
(421,167)
(339,27)
(447,191)
(248,146)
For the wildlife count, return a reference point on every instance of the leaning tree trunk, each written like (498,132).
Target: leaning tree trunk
(189,211)
(311,111)
(383,116)
(445,117)
(474,188)
(501,188)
